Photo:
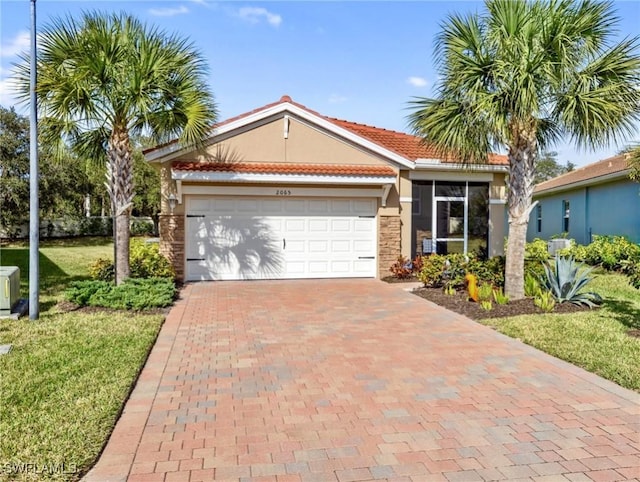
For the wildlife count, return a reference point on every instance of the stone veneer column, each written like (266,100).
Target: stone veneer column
(388,243)
(172,241)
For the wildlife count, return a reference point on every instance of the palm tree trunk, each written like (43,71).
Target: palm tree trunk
(522,158)
(120,186)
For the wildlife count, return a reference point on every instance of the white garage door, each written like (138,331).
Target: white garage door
(229,238)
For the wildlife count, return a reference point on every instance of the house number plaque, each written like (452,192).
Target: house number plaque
(283,192)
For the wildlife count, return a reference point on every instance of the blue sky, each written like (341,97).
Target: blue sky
(357,60)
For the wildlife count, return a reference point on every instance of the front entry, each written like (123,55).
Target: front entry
(450,220)
(450,217)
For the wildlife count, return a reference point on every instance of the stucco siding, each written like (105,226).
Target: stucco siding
(606,209)
(614,208)
(553,216)
(304,144)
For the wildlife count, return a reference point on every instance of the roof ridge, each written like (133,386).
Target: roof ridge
(393,131)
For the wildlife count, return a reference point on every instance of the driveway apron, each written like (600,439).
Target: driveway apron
(347,380)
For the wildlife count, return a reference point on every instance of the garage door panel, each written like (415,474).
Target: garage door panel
(340,246)
(200,205)
(222,205)
(340,206)
(271,206)
(341,225)
(363,266)
(247,206)
(295,206)
(363,247)
(318,206)
(266,238)
(318,225)
(320,246)
(364,207)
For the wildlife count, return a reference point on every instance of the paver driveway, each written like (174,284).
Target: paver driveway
(359,380)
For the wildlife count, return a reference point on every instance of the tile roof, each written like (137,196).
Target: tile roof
(590,172)
(407,145)
(286,168)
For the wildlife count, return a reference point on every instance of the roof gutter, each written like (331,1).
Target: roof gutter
(457,166)
(587,182)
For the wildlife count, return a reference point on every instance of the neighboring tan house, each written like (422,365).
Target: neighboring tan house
(597,199)
(285,192)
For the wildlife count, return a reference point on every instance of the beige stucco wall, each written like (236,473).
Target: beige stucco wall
(406,189)
(497,211)
(304,145)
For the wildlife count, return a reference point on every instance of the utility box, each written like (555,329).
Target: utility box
(9,288)
(554,245)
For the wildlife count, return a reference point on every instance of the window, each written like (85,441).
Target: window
(461,221)
(539,217)
(565,216)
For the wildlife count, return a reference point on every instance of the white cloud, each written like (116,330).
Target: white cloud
(8,92)
(337,99)
(257,14)
(417,81)
(168,12)
(16,45)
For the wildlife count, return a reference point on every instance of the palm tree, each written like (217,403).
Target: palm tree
(106,78)
(520,76)
(634,161)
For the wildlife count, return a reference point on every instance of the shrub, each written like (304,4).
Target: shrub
(489,271)
(402,268)
(449,290)
(145,261)
(499,297)
(416,264)
(566,279)
(545,301)
(102,270)
(536,250)
(607,251)
(438,270)
(432,271)
(136,294)
(485,292)
(142,227)
(534,268)
(632,270)
(531,285)
(486,305)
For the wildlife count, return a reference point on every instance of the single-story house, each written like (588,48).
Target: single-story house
(598,198)
(286,192)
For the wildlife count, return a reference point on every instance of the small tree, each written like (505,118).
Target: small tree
(104,78)
(61,182)
(547,167)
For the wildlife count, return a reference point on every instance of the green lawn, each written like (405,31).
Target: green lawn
(65,380)
(594,340)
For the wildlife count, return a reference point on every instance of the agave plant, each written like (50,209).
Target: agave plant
(567,279)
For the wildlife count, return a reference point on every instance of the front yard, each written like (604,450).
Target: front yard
(64,381)
(602,341)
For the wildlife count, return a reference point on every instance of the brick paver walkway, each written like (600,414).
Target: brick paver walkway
(358,380)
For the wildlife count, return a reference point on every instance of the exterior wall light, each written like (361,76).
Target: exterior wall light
(173,201)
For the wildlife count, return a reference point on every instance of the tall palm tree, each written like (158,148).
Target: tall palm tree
(105,78)
(520,76)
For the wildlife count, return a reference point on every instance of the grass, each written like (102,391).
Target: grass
(65,380)
(595,340)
